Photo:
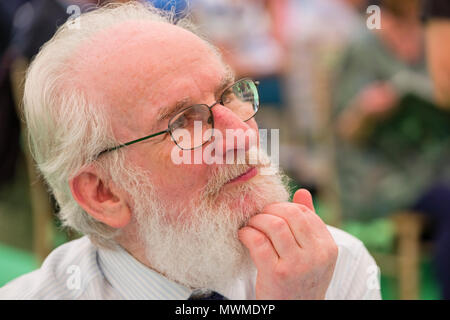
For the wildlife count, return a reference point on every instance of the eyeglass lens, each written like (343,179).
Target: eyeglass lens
(192,127)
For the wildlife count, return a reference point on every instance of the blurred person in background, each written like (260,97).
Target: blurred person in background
(437,14)
(393,142)
(436,201)
(37,21)
(377,70)
(9,123)
(316,33)
(25,27)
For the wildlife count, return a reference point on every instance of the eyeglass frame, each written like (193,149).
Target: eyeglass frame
(168,130)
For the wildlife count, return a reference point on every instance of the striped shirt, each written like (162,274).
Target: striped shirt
(80,270)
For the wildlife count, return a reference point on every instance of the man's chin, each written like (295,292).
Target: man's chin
(243,205)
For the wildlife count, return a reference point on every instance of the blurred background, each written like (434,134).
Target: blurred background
(361,125)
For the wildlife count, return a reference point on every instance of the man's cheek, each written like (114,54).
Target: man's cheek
(188,177)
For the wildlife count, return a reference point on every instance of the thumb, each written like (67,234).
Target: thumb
(303,197)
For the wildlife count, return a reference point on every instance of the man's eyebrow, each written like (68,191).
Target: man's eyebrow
(169,111)
(227,80)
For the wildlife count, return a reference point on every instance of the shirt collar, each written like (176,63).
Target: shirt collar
(133,280)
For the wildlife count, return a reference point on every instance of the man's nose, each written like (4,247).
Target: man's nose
(231,134)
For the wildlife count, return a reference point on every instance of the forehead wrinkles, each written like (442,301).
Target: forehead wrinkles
(120,67)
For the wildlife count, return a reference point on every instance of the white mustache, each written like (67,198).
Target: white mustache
(222,174)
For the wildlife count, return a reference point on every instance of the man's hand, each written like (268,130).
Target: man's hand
(292,249)
(373,104)
(377,100)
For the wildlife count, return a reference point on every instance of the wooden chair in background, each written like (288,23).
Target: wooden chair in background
(404,263)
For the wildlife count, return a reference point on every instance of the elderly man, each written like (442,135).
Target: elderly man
(108,102)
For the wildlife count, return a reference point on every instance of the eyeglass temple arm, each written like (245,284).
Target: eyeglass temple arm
(131,142)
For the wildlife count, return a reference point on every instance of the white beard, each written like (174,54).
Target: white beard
(201,249)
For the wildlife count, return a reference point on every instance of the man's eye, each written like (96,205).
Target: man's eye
(196,117)
(227,98)
(180,122)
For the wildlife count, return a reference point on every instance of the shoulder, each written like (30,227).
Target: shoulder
(352,251)
(66,273)
(356,274)
(346,241)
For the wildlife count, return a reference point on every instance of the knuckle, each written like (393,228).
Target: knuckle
(282,272)
(317,221)
(302,207)
(292,210)
(259,240)
(278,224)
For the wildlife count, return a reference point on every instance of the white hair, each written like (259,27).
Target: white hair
(66,131)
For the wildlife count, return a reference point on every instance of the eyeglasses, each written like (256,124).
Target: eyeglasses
(241,97)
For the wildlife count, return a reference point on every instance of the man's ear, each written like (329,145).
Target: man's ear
(103,201)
